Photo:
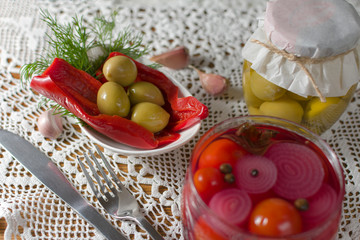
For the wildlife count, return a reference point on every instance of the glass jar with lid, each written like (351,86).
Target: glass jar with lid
(302,63)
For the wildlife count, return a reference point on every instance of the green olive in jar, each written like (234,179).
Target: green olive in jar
(297,97)
(120,69)
(151,116)
(250,98)
(284,107)
(322,115)
(264,89)
(145,92)
(113,100)
(254,111)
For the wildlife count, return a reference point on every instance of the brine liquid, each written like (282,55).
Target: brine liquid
(263,97)
(201,223)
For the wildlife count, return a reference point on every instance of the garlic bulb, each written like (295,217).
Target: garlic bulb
(50,125)
(95,52)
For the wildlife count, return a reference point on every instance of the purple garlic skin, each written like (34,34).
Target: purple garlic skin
(50,125)
(176,59)
(212,83)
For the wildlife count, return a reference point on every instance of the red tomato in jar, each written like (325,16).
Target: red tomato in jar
(202,231)
(208,181)
(275,217)
(221,151)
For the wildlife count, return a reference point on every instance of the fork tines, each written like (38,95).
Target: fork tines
(109,182)
(118,202)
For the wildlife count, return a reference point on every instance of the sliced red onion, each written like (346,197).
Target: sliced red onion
(258,197)
(300,170)
(255,174)
(233,205)
(321,206)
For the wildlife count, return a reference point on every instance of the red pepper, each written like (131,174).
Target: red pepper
(76,91)
(184,112)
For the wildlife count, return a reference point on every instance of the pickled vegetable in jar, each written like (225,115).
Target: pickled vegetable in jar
(302,63)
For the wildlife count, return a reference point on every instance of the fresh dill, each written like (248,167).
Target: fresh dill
(73,41)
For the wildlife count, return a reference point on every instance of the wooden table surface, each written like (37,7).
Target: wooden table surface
(3,225)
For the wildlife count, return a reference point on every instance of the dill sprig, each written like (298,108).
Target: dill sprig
(72,42)
(69,42)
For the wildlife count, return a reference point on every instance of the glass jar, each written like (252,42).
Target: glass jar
(263,97)
(224,207)
(293,71)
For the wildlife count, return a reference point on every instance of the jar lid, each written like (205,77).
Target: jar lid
(336,30)
(312,28)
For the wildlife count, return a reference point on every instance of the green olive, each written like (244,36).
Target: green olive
(284,107)
(319,116)
(151,116)
(297,97)
(317,109)
(254,111)
(249,96)
(120,69)
(264,89)
(145,92)
(113,100)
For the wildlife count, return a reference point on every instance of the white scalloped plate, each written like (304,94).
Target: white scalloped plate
(185,135)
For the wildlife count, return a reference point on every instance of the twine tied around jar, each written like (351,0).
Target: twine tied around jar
(302,61)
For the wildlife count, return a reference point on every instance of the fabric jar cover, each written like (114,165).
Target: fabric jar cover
(311,29)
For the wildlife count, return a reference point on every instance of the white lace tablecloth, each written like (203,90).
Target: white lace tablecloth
(214,32)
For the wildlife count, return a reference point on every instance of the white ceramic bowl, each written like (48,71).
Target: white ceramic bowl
(185,135)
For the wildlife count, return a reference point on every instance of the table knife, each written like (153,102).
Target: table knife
(47,172)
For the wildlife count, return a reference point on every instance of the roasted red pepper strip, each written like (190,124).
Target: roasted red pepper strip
(60,82)
(76,91)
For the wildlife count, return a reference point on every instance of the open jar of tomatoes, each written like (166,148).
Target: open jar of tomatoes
(262,178)
(302,62)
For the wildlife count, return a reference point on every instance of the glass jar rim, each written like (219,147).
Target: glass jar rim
(274,121)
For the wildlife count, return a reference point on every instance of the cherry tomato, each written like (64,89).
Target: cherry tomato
(203,231)
(221,151)
(275,217)
(208,181)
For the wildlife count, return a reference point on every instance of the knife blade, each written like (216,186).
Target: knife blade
(47,172)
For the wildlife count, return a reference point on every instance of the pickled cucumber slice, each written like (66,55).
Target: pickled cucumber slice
(285,108)
(264,89)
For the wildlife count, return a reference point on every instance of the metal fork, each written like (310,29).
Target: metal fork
(119,202)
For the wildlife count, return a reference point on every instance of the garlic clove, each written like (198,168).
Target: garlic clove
(212,83)
(50,125)
(95,52)
(176,59)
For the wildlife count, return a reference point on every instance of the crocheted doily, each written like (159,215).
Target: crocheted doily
(214,32)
